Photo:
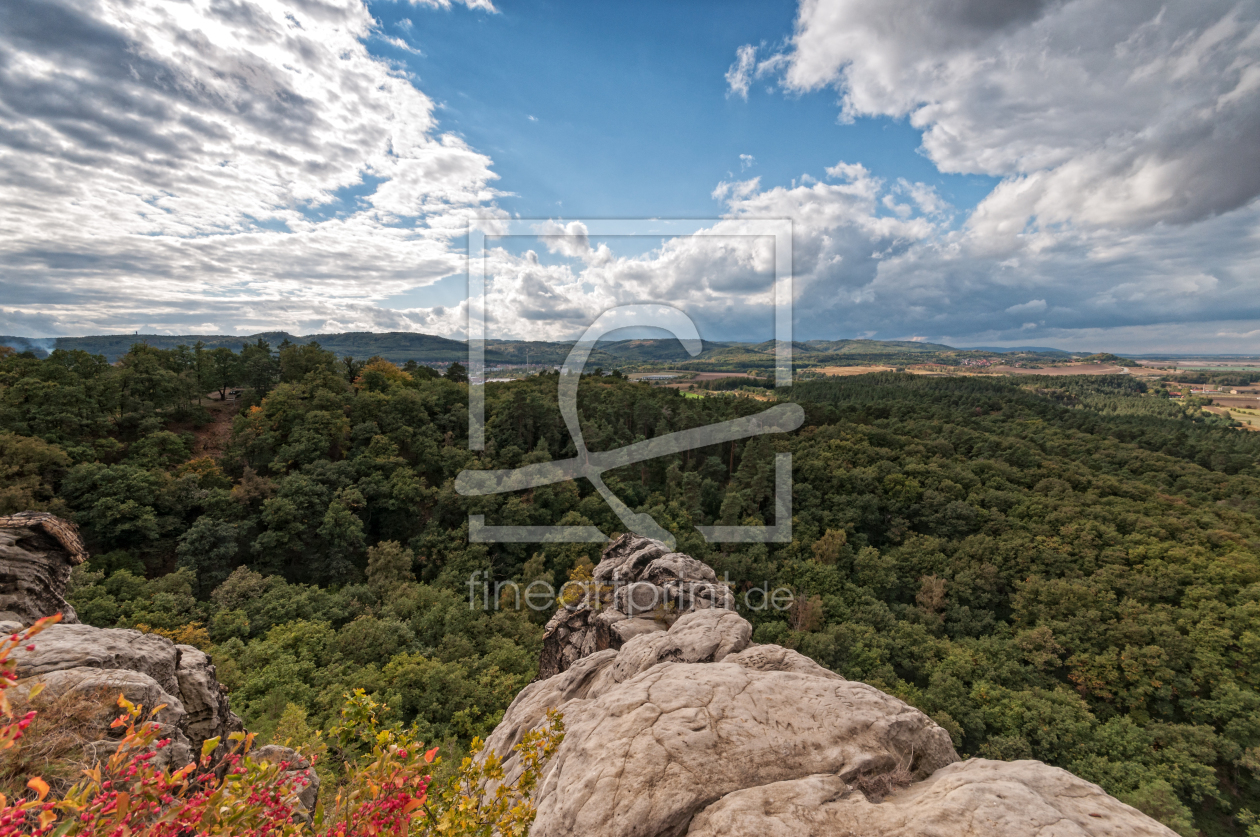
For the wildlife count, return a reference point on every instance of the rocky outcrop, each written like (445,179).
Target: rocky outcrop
(639,587)
(688,728)
(977,796)
(37,552)
(145,668)
(102,687)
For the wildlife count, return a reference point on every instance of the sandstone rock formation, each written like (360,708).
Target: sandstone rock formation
(977,796)
(37,552)
(146,668)
(689,729)
(639,586)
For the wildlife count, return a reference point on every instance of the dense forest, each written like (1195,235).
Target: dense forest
(1058,568)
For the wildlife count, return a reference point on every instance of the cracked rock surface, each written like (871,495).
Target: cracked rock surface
(973,797)
(146,668)
(689,729)
(37,552)
(639,585)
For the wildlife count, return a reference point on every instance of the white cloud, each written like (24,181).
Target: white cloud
(1095,113)
(483,5)
(735,189)
(1127,142)
(746,161)
(204,159)
(740,74)
(1032,306)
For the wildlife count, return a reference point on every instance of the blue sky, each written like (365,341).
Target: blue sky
(1075,173)
(631,116)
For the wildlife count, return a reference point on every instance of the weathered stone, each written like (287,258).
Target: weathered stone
(205,699)
(703,636)
(645,757)
(686,594)
(103,687)
(624,559)
(628,628)
(73,646)
(974,797)
(37,552)
(691,730)
(636,579)
(127,658)
(776,658)
(676,566)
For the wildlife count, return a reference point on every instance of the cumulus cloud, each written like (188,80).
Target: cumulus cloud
(1094,113)
(740,74)
(1126,140)
(863,269)
(245,163)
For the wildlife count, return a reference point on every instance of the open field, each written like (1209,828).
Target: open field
(691,377)
(1249,418)
(845,371)
(1069,369)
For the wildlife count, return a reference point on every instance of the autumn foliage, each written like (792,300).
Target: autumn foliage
(387,788)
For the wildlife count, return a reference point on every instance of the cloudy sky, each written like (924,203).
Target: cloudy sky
(1080,174)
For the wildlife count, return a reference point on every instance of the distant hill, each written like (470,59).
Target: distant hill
(1041,350)
(874,347)
(396,346)
(400,347)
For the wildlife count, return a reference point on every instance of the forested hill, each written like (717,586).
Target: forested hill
(401,347)
(1059,568)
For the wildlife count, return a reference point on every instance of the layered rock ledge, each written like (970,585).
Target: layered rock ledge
(37,553)
(677,725)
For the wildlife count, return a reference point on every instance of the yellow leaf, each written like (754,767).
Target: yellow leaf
(35,690)
(46,819)
(39,786)
(208,746)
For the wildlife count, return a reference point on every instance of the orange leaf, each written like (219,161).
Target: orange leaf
(39,786)
(428,757)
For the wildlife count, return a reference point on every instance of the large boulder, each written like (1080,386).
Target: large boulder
(182,676)
(639,588)
(973,797)
(688,728)
(99,689)
(37,553)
